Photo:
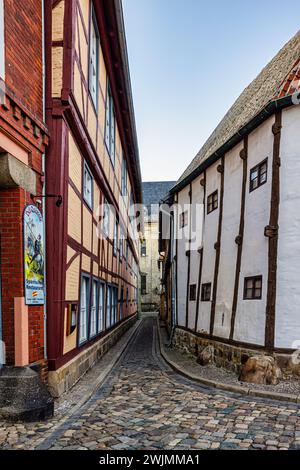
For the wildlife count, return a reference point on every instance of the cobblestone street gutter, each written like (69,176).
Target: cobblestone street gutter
(188,367)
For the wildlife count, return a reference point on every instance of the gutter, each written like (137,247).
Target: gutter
(264,114)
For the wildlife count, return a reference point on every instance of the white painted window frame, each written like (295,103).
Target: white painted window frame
(94,60)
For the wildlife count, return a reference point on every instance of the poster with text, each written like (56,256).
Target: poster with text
(34,259)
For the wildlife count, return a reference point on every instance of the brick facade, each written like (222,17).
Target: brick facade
(23,52)
(24,137)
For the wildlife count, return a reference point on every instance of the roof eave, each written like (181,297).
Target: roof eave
(264,114)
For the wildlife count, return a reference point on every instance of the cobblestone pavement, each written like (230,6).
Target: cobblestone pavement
(143,404)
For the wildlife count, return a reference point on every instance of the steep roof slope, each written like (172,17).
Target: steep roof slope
(265,88)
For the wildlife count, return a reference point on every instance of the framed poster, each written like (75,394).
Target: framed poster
(34,256)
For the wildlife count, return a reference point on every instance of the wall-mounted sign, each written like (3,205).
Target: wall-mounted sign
(34,259)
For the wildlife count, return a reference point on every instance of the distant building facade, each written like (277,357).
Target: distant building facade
(153,193)
(232,265)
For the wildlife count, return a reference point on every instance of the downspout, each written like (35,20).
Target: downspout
(43,170)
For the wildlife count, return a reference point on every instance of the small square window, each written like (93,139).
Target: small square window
(212,202)
(258,175)
(88,186)
(206,292)
(193,289)
(253,288)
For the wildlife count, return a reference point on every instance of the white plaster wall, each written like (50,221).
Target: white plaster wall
(213,180)
(250,315)
(182,259)
(288,273)
(233,180)
(197,229)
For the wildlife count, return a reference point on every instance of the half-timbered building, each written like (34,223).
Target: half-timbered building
(237,286)
(93,167)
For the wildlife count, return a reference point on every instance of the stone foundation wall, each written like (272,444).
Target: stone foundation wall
(231,357)
(65,378)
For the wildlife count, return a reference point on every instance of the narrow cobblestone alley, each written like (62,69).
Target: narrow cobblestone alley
(143,404)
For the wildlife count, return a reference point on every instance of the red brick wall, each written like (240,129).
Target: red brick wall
(23,52)
(12,203)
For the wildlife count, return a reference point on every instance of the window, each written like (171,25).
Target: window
(183,219)
(121,303)
(114,305)
(94,61)
(84,308)
(108,306)
(88,186)
(116,237)
(2,54)
(206,292)
(110,126)
(258,175)
(127,254)
(144,284)
(193,289)
(253,288)
(143,249)
(124,178)
(106,218)
(212,202)
(93,319)
(101,307)
(121,253)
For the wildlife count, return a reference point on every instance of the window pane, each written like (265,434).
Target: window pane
(257,293)
(93,321)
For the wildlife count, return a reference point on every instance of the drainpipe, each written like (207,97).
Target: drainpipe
(43,170)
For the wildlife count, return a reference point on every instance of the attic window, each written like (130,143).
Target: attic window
(212,202)
(258,175)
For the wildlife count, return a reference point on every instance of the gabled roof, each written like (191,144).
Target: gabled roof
(154,192)
(279,78)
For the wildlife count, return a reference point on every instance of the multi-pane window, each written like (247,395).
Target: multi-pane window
(258,175)
(93,319)
(183,219)
(143,249)
(110,125)
(124,178)
(108,306)
(101,309)
(144,284)
(253,288)
(127,254)
(193,289)
(212,202)
(88,186)
(94,60)
(116,237)
(84,308)
(121,253)
(106,218)
(206,292)
(2,55)
(121,303)
(114,305)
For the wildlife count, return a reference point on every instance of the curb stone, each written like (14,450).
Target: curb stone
(223,386)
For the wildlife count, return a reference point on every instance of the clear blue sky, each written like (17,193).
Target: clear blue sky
(189,61)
